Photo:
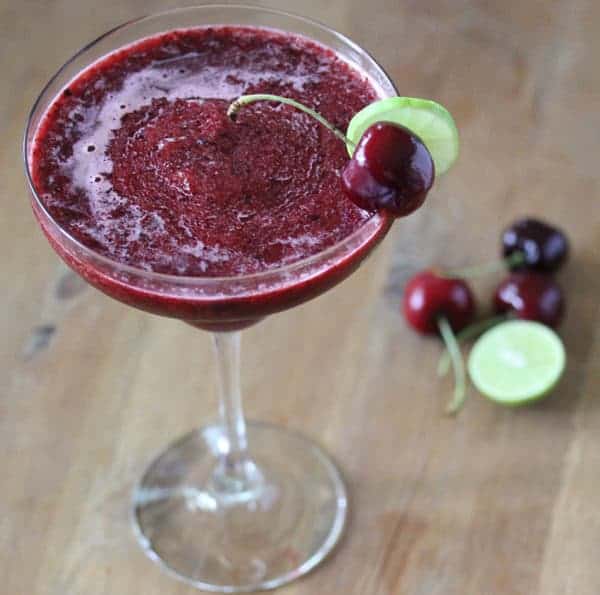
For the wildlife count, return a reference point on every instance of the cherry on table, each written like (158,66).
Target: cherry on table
(543,247)
(391,169)
(429,297)
(531,296)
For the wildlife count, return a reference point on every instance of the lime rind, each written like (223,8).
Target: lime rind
(517,362)
(429,120)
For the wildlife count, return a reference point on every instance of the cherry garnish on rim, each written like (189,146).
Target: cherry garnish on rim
(391,169)
(434,304)
(531,296)
(544,247)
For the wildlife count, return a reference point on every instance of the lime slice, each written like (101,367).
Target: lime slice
(429,120)
(517,362)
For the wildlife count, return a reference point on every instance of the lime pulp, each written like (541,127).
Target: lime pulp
(429,120)
(517,362)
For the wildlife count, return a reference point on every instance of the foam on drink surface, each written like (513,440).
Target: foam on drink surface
(139,161)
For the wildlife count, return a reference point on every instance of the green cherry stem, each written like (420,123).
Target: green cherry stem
(469,332)
(237,104)
(515,259)
(458,366)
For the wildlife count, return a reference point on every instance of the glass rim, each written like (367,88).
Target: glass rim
(382,219)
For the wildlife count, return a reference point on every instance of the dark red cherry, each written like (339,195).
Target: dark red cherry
(391,169)
(531,296)
(428,297)
(543,246)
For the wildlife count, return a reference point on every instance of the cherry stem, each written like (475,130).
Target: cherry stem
(469,332)
(236,105)
(460,390)
(515,259)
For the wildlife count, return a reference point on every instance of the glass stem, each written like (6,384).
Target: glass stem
(235,471)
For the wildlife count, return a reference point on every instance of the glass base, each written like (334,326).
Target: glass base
(280,526)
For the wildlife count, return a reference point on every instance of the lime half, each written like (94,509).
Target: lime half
(429,120)
(517,362)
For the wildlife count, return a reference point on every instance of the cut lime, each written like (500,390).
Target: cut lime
(517,362)
(429,120)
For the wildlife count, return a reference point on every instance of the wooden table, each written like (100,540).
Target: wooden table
(492,502)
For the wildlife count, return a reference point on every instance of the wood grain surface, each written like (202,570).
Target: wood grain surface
(493,502)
